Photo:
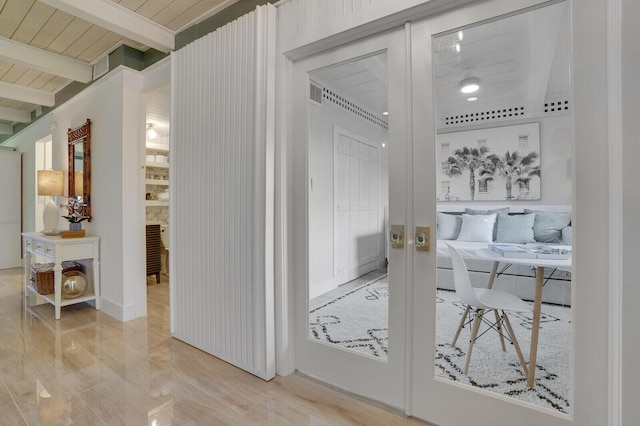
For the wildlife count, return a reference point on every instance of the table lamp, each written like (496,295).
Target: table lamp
(51,184)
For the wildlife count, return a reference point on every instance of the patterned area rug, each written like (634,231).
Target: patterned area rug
(358,320)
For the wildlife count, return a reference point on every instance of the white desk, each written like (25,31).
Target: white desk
(483,252)
(57,250)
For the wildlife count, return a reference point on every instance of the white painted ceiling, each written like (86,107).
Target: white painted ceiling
(47,44)
(522,61)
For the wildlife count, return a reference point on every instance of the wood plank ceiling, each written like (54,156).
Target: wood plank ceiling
(47,44)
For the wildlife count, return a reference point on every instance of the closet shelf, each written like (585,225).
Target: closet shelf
(160,182)
(157,203)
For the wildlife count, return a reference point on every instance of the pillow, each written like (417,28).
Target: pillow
(503,210)
(477,228)
(517,229)
(566,235)
(547,227)
(448,226)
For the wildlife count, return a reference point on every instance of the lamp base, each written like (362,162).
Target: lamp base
(51,232)
(50,217)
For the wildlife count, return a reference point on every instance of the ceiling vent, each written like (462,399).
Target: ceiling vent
(101,67)
(315,92)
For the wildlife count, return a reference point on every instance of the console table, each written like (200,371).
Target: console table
(57,250)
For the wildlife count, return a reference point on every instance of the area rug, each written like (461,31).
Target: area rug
(358,320)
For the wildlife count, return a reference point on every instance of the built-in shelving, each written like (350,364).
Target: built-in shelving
(158,165)
(157,147)
(160,182)
(157,203)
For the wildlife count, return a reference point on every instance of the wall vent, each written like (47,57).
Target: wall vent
(556,106)
(476,117)
(315,92)
(101,67)
(342,102)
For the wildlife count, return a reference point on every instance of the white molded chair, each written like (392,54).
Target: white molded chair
(483,300)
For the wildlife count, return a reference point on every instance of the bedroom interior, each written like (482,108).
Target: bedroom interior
(516,128)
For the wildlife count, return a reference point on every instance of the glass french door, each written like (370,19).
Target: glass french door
(518,56)
(363,198)
(350,127)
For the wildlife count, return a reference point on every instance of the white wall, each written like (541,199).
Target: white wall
(630,210)
(114,106)
(322,120)
(555,161)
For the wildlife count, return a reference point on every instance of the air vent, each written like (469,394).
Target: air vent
(346,104)
(476,117)
(101,67)
(315,92)
(557,106)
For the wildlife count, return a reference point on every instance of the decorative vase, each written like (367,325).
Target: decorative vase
(74,284)
(75,226)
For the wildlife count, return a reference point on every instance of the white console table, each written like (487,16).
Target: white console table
(57,250)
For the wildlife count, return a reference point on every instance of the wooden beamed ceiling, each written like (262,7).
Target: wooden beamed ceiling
(47,44)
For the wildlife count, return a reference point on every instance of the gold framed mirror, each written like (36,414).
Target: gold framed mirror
(80,166)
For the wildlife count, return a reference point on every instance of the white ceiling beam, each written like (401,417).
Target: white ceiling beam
(18,115)
(6,129)
(120,20)
(42,60)
(26,94)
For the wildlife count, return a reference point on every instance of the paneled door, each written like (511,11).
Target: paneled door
(351,142)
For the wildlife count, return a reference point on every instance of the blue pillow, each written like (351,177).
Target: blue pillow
(448,226)
(547,227)
(517,229)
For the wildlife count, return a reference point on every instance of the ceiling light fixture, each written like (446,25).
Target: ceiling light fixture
(472,99)
(151,132)
(385,113)
(457,47)
(460,35)
(469,85)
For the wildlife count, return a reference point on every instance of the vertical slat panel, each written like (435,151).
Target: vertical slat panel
(220,140)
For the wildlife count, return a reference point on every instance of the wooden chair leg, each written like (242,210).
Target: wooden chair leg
(515,344)
(474,335)
(499,327)
(157,277)
(462,321)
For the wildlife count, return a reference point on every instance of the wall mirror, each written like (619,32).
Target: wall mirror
(80,166)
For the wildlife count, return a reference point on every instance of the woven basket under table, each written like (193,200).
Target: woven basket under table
(42,277)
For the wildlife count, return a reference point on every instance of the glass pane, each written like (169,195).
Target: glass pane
(348,284)
(504,152)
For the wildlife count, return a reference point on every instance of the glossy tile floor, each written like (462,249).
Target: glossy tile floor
(89,369)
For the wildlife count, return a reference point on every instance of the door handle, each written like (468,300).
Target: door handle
(397,236)
(423,235)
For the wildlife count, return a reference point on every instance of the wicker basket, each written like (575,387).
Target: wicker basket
(42,276)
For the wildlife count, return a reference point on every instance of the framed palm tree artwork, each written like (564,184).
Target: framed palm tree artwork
(500,163)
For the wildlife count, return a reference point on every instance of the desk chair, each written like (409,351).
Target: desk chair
(483,300)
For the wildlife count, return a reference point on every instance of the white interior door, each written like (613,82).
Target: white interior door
(449,401)
(348,104)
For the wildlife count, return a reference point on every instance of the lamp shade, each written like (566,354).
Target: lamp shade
(50,182)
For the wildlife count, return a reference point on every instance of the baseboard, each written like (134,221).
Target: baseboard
(117,311)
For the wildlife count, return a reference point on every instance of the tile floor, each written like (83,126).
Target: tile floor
(89,369)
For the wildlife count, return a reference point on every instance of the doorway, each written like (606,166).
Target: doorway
(157,186)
